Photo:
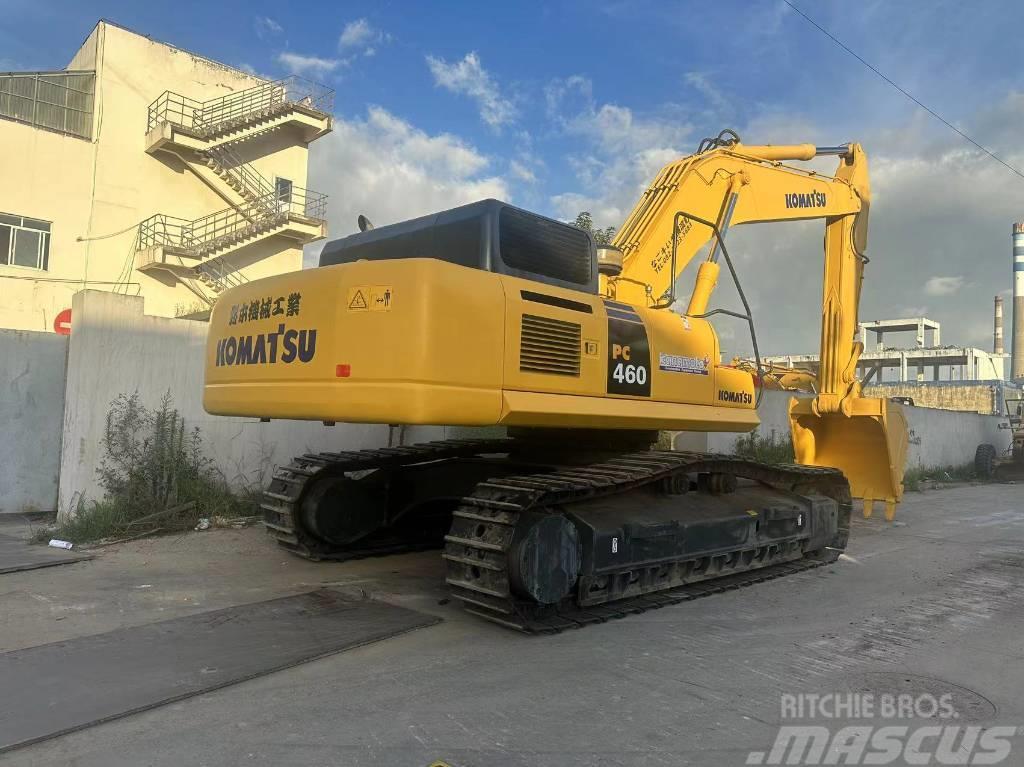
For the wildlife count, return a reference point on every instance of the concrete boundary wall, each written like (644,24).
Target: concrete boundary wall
(32,370)
(937,437)
(56,399)
(116,348)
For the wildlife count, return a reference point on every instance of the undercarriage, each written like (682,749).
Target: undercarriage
(542,532)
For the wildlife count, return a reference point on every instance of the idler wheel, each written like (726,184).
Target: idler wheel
(545,558)
(341,511)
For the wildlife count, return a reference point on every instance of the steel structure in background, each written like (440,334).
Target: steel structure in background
(58,101)
(1017,365)
(997,328)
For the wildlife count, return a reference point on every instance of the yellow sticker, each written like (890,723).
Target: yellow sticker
(381,297)
(357,299)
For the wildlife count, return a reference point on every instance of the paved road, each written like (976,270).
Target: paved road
(933,606)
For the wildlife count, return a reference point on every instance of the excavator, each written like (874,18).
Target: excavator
(487,315)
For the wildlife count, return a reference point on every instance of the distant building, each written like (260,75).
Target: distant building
(145,169)
(917,363)
(960,378)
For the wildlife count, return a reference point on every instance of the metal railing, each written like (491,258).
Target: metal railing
(231,225)
(206,118)
(58,101)
(249,182)
(163,230)
(220,275)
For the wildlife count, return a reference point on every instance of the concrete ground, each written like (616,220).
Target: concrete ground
(931,606)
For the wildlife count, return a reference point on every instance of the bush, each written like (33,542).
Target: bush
(769,449)
(151,464)
(914,477)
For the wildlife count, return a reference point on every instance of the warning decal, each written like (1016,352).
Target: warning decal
(357,300)
(370,298)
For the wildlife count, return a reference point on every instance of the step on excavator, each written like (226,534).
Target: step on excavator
(487,315)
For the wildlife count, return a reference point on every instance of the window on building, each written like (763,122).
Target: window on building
(24,242)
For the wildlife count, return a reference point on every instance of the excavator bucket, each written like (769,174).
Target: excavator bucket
(869,446)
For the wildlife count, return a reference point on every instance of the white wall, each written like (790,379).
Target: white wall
(115,349)
(937,437)
(31,402)
(947,438)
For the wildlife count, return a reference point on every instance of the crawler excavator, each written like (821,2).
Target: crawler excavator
(488,315)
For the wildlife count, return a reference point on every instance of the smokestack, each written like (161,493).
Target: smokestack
(1018,301)
(997,337)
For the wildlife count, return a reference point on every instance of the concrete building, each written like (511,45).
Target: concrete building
(894,364)
(148,170)
(961,378)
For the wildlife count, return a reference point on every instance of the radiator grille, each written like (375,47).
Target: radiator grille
(549,346)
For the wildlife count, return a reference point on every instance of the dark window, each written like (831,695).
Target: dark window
(26,248)
(543,247)
(24,242)
(458,242)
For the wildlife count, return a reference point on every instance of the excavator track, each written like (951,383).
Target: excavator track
(280,501)
(478,550)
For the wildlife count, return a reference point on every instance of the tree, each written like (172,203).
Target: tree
(585,222)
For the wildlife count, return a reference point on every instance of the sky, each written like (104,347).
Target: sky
(560,107)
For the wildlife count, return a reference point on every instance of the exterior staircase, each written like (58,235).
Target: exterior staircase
(205,136)
(294,102)
(198,253)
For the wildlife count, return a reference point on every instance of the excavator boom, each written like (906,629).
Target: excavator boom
(696,200)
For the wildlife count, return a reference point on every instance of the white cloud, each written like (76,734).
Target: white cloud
(620,151)
(703,84)
(521,172)
(355,34)
(299,64)
(361,34)
(943,286)
(390,170)
(468,77)
(266,27)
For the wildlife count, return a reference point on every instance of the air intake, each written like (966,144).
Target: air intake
(549,346)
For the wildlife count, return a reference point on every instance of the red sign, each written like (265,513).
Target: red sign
(62,323)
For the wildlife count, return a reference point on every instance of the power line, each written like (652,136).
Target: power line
(927,109)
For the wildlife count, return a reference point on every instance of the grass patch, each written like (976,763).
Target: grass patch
(155,476)
(770,449)
(914,478)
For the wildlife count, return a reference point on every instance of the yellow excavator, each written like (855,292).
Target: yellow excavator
(488,315)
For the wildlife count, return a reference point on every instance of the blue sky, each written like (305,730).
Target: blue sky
(565,106)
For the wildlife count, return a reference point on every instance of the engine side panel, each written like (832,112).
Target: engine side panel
(423,341)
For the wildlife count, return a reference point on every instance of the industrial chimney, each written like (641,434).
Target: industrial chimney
(1017,366)
(997,336)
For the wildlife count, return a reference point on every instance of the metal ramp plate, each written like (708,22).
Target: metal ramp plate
(16,555)
(70,685)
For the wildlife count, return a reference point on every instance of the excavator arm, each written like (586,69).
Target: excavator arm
(694,202)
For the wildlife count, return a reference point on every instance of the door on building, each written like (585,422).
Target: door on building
(283,193)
